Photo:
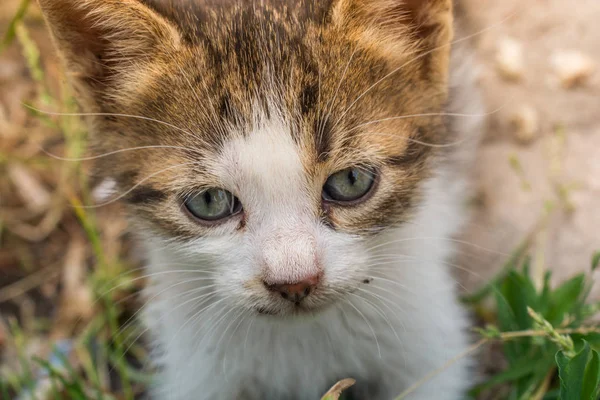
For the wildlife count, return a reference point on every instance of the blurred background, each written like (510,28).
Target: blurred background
(67,274)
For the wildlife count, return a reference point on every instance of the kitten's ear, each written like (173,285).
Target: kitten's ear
(400,25)
(100,39)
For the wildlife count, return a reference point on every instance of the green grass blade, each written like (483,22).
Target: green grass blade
(10,33)
(596,261)
(565,299)
(514,373)
(520,293)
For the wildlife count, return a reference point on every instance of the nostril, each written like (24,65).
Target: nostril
(294,292)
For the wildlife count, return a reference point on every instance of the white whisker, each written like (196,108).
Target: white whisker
(58,114)
(111,153)
(139,183)
(368,324)
(394,71)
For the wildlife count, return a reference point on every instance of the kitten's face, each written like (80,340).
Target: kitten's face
(281,140)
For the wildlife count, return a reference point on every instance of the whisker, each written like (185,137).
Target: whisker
(197,314)
(205,298)
(213,326)
(417,58)
(440,114)
(396,305)
(439,238)
(379,277)
(223,311)
(400,285)
(58,114)
(242,316)
(210,101)
(131,319)
(417,141)
(368,324)
(248,333)
(330,104)
(453,265)
(387,290)
(111,153)
(384,302)
(380,312)
(122,195)
(146,276)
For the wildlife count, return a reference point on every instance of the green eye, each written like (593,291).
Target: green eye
(349,185)
(213,205)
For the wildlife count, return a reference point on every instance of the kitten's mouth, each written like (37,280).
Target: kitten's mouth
(298,310)
(265,311)
(301,308)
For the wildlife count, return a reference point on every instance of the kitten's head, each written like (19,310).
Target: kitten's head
(277,137)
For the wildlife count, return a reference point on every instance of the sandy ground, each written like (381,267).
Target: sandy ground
(565,153)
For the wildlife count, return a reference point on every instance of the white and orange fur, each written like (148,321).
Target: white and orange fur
(386,314)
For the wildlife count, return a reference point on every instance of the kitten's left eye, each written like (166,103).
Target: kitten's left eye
(348,185)
(213,205)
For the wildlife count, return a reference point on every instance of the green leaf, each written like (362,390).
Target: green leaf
(571,372)
(565,299)
(518,371)
(3,388)
(546,294)
(596,261)
(592,338)
(520,293)
(591,380)
(552,395)
(73,388)
(507,322)
(563,363)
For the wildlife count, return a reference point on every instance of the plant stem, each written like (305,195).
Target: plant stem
(533,333)
(543,389)
(9,35)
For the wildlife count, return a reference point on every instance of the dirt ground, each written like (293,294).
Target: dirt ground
(565,153)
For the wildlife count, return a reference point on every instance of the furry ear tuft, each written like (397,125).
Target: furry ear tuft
(398,27)
(100,39)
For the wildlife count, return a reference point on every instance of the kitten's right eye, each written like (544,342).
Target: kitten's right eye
(213,205)
(348,186)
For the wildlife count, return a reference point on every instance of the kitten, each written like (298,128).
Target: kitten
(294,175)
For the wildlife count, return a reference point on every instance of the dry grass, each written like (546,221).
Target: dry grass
(56,259)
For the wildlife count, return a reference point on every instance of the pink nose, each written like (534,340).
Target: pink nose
(295,292)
